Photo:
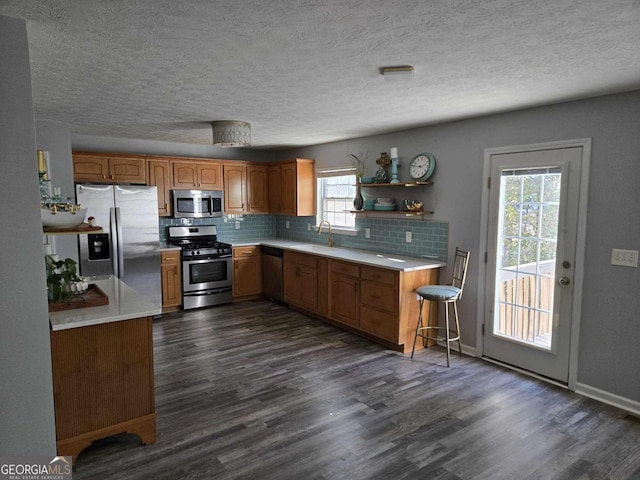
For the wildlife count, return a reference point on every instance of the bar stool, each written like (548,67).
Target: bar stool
(449,295)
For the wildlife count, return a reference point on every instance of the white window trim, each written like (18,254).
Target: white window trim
(332,172)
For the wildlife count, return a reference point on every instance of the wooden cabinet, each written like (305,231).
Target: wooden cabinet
(245,189)
(160,176)
(274,188)
(107,168)
(235,188)
(378,303)
(301,280)
(292,188)
(344,292)
(257,188)
(103,383)
(247,272)
(171,269)
(206,175)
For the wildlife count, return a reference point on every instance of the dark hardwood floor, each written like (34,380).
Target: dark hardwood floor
(257,391)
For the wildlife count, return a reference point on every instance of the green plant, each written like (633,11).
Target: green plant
(359,163)
(60,275)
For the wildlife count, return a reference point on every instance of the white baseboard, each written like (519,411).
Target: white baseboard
(466,349)
(603,396)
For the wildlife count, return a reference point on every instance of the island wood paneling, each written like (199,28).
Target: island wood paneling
(103,383)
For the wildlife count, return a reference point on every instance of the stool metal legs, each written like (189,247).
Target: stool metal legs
(447,329)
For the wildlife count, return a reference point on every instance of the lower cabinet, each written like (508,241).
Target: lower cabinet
(247,272)
(171,269)
(301,280)
(344,292)
(378,303)
(103,383)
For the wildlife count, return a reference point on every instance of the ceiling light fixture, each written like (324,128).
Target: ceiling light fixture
(400,72)
(231,133)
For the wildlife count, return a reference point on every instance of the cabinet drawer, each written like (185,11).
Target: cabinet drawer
(300,258)
(345,268)
(388,277)
(250,251)
(170,257)
(379,323)
(379,296)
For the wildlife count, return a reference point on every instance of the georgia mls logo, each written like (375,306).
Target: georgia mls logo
(35,468)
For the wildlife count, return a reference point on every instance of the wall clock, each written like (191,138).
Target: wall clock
(422,166)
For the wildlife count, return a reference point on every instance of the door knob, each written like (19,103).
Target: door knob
(564,281)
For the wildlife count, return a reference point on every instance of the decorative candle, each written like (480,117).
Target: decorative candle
(42,165)
(394,152)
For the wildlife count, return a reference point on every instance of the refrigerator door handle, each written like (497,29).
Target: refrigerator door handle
(120,241)
(114,241)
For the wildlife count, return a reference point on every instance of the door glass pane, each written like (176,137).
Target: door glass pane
(527,244)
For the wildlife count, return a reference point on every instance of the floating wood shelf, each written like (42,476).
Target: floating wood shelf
(402,184)
(390,212)
(83,228)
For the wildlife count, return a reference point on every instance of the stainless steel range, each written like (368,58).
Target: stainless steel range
(206,266)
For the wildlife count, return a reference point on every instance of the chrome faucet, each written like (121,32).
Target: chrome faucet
(331,242)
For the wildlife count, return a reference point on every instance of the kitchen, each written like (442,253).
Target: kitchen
(605,362)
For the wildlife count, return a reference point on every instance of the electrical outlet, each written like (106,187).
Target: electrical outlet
(237,225)
(624,258)
(367,233)
(308,226)
(407,237)
(286,224)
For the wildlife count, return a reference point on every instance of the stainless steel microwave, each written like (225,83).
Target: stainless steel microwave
(197,203)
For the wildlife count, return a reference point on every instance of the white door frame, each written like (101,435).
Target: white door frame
(578,278)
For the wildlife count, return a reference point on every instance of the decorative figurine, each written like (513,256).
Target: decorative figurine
(381,173)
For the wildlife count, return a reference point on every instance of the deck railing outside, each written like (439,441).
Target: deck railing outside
(525,303)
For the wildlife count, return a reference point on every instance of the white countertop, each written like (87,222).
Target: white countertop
(124,304)
(382,260)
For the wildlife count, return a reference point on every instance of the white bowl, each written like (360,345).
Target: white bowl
(62,219)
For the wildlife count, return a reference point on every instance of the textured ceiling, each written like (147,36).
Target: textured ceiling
(304,72)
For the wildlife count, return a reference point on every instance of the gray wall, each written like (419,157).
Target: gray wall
(610,324)
(26,389)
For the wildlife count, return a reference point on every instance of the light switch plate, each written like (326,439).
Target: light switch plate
(367,233)
(237,225)
(624,258)
(407,237)
(286,224)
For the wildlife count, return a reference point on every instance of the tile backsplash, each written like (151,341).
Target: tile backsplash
(428,239)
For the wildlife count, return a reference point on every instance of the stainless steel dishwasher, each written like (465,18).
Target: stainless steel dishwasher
(272,273)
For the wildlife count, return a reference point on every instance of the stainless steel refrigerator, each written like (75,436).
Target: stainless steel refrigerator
(129,245)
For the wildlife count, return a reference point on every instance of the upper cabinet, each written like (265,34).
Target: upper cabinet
(258,188)
(160,176)
(245,188)
(287,187)
(206,175)
(292,188)
(106,168)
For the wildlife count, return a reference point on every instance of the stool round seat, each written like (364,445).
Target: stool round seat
(439,293)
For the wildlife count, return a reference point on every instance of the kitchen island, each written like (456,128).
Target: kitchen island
(102,359)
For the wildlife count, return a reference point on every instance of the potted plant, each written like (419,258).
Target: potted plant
(62,279)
